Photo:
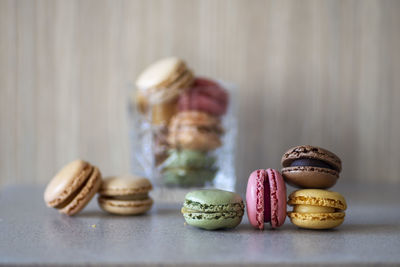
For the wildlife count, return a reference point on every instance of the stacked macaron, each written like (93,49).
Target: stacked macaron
(308,167)
(195,132)
(313,169)
(158,89)
(186,113)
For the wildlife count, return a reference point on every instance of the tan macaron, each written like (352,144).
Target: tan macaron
(317,209)
(125,195)
(163,81)
(195,130)
(73,187)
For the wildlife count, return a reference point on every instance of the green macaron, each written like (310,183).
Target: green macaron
(188,168)
(213,209)
(188,177)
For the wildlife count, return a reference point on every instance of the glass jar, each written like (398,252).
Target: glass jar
(186,143)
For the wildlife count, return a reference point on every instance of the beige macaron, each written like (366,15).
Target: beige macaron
(73,187)
(125,195)
(163,81)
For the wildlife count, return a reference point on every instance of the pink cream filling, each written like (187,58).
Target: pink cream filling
(260,206)
(274,200)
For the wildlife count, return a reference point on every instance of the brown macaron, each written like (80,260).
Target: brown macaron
(195,130)
(73,187)
(310,167)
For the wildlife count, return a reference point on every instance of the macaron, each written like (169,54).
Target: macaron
(188,168)
(159,87)
(310,167)
(163,81)
(213,209)
(317,208)
(73,187)
(205,95)
(195,130)
(125,195)
(266,198)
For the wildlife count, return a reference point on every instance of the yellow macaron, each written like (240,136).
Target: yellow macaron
(317,209)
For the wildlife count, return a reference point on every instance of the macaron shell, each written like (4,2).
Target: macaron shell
(125,207)
(83,197)
(312,152)
(310,177)
(66,182)
(278,198)
(214,197)
(170,92)
(255,198)
(160,73)
(212,221)
(318,197)
(124,185)
(317,220)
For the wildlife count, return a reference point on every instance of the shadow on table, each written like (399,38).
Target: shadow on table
(155,211)
(363,228)
(104,215)
(344,229)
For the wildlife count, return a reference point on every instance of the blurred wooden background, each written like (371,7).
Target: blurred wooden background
(308,72)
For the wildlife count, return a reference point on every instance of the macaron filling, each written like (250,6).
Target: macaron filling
(312,209)
(303,162)
(139,196)
(196,210)
(207,208)
(260,205)
(274,200)
(204,129)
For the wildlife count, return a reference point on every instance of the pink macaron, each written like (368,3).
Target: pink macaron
(205,95)
(266,198)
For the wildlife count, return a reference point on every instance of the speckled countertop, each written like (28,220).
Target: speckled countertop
(30,233)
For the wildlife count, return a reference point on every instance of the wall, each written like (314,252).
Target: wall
(318,72)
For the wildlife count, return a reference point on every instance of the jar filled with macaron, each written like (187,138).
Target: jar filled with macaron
(183,129)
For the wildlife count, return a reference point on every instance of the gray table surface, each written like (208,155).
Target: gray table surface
(31,233)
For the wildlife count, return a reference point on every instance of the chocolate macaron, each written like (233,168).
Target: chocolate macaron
(310,167)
